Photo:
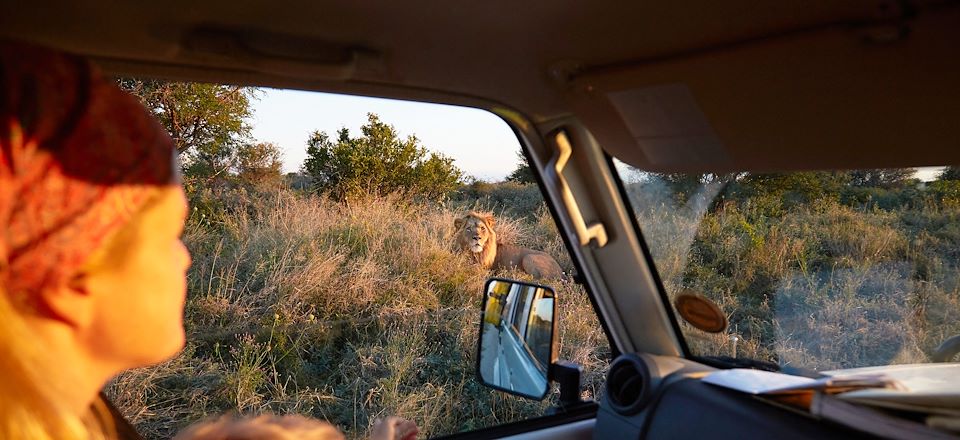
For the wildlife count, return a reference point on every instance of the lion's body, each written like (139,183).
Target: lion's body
(536,263)
(475,235)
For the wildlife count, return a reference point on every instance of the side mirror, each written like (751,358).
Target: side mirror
(517,345)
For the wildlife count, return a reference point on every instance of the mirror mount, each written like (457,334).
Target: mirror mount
(568,375)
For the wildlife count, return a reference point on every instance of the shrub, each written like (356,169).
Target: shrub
(945,191)
(950,173)
(523,173)
(258,165)
(516,199)
(880,198)
(377,162)
(793,189)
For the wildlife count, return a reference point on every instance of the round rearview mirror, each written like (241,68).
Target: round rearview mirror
(516,346)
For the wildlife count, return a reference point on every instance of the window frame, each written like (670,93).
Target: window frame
(648,256)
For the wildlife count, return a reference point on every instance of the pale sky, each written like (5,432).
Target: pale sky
(481,144)
(927,174)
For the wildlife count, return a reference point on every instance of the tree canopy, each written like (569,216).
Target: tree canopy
(208,122)
(800,187)
(377,161)
(259,164)
(523,173)
(882,177)
(949,173)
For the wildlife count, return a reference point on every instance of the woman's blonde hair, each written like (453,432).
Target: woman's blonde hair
(30,408)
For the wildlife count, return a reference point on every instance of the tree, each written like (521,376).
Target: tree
(259,164)
(882,177)
(949,173)
(682,186)
(377,161)
(523,173)
(208,122)
(795,188)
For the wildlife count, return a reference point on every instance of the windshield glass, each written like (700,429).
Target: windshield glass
(814,270)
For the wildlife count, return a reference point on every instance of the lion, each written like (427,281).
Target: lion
(475,234)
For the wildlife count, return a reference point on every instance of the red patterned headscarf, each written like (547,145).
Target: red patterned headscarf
(78,158)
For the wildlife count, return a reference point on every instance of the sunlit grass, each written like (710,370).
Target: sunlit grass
(822,286)
(346,312)
(349,312)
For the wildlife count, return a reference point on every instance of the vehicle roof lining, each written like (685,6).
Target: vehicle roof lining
(221,75)
(538,58)
(838,98)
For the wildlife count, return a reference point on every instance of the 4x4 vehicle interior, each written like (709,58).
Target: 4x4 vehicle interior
(604,95)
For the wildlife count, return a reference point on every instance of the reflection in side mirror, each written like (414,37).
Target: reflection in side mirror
(517,337)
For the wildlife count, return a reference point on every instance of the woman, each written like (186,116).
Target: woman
(92,269)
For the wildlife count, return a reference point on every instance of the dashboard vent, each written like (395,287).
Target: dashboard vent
(628,384)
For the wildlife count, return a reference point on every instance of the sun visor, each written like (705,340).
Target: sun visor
(667,125)
(836,98)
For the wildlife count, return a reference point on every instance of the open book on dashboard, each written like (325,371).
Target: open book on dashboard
(770,383)
(864,398)
(928,388)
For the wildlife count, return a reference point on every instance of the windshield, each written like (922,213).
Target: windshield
(813,270)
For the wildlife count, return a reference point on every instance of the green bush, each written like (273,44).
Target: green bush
(880,198)
(377,162)
(523,173)
(516,199)
(945,191)
(259,166)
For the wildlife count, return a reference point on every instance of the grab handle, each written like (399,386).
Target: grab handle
(585,233)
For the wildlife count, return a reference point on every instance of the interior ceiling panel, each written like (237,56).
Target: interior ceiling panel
(493,49)
(529,56)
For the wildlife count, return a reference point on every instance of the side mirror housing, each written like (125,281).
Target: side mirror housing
(517,343)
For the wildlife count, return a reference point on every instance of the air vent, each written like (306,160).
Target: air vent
(628,384)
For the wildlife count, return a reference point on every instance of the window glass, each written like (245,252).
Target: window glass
(522,309)
(326,279)
(814,270)
(538,330)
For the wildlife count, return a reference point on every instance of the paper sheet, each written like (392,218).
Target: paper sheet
(754,381)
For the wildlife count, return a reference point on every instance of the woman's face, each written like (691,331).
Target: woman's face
(139,287)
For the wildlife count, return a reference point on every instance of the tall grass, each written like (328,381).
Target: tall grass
(349,312)
(822,286)
(346,312)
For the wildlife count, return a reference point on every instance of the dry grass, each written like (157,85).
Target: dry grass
(823,286)
(351,312)
(342,312)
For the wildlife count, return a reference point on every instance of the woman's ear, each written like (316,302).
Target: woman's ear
(70,304)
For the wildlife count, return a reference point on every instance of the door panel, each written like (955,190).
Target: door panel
(581,430)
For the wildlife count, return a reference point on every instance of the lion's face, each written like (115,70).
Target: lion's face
(475,232)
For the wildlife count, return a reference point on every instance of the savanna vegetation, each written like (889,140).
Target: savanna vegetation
(335,292)
(814,270)
(343,311)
